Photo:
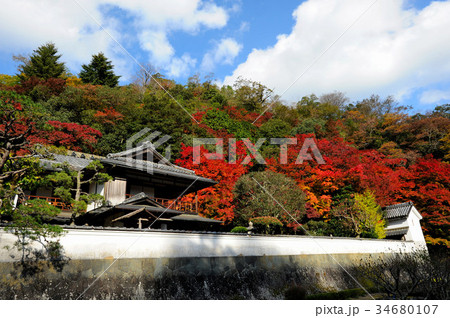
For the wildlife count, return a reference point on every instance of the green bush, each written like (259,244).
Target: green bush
(216,119)
(266,225)
(252,200)
(295,293)
(239,229)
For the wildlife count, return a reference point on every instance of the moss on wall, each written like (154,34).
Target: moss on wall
(241,277)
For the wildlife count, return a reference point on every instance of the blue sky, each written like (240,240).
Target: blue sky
(359,47)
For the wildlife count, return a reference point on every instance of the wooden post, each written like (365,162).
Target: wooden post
(196,202)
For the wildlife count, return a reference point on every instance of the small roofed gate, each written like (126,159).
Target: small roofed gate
(115,191)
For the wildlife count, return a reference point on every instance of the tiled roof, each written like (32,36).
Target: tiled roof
(134,198)
(75,162)
(146,165)
(146,146)
(195,218)
(83,155)
(139,197)
(80,160)
(397,231)
(398,210)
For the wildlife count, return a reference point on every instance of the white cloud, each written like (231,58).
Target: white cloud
(158,45)
(390,50)
(224,52)
(434,96)
(186,15)
(181,66)
(26,24)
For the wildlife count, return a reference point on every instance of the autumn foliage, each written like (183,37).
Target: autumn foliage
(368,146)
(69,135)
(216,201)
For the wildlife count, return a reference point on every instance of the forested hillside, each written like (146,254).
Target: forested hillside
(376,151)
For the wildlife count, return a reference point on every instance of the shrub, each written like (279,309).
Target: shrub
(252,199)
(402,275)
(317,228)
(239,229)
(266,225)
(295,293)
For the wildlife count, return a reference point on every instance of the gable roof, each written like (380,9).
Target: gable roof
(396,231)
(127,159)
(145,165)
(137,152)
(77,163)
(193,218)
(142,204)
(140,198)
(138,201)
(401,210)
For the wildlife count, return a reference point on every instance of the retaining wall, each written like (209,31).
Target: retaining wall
(181,265)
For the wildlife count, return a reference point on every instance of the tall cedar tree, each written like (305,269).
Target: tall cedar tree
(99,72)
(43,64)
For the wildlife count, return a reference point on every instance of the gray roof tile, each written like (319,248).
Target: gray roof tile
(398,210)
(75,162)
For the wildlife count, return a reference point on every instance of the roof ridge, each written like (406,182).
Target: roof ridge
(79,154)
(151,163)
(398,205)
(143,146)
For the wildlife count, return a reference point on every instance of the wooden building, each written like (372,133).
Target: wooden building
(146,190)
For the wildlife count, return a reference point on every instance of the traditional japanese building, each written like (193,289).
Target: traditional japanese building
(146,190)
(403,222)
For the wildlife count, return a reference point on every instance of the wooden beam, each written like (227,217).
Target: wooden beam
(128,215)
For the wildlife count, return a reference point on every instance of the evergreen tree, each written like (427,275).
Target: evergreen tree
(99,72)
(43,63)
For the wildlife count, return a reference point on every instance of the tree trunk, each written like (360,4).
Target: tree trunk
(78,187)
(4,158)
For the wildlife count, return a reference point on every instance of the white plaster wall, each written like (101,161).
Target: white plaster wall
(412,222)
(415,231)
(100,244)
(96,189)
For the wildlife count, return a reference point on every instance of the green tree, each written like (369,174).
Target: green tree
(254,197)
(362,215)
(19,170)
(309,125)
(252,96)
(42,64)
(275,128)
(68,180)
(371,217)
(8,80)
(99,72)
(19,116)
(30,224)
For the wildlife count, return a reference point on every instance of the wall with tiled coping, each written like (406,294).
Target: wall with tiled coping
(100,244)
(185,265)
